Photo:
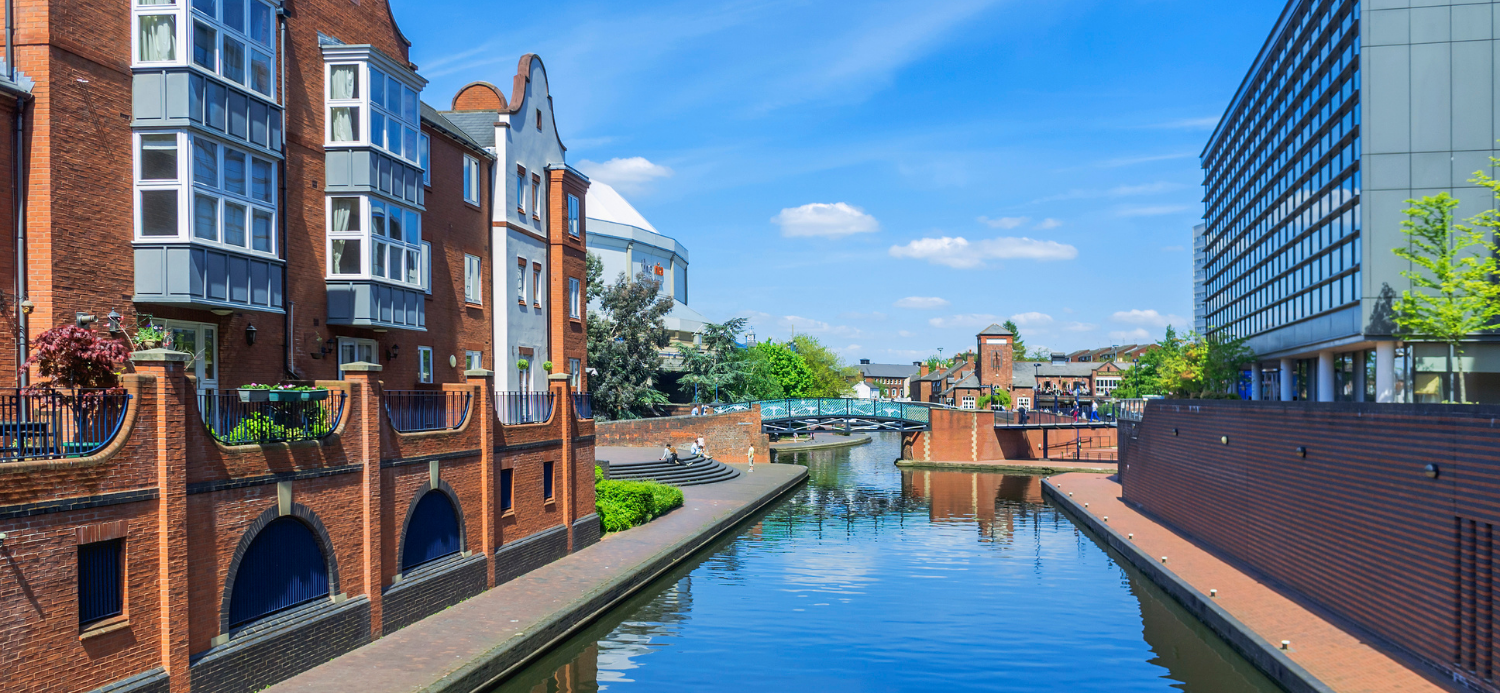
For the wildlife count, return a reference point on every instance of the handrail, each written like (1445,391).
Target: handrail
(47,424)
(515,408)
(413,411)
(774,409)
(583,404)
(1132,409)
(233,417)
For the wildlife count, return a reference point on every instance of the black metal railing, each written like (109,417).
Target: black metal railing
(411,411)
(232,420)
(523,407)
(583,403)
(1086,448)
(40,424)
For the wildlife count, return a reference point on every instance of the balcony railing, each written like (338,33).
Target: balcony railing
(233,421)
(583,403)
(42,424)
(411,411)
(1132,409)
(523,407)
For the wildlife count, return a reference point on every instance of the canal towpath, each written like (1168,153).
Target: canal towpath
(493,634)
(1250,615)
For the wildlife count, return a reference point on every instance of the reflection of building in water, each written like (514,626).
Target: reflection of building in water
(655,620)
(1187,648)
(577,676)
(994,501)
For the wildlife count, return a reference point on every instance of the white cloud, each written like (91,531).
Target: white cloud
(924,302)
(1152,211)
(826,220)
(966,320)
(797,323)
(1079,327)
(631,176)
(1137,335)
(906,333)
(1047,224)
(1031,319)
(1004,222)
(1149,318)
(961,254)
(875,315)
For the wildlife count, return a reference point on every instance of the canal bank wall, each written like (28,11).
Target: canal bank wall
(727,437)
(483,640)
(828,442)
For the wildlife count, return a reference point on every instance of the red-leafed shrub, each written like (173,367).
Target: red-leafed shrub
(72,357)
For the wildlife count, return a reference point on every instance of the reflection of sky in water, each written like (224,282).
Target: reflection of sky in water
(872,579)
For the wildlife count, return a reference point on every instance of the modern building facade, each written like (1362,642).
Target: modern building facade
(626,242)
(1350,109)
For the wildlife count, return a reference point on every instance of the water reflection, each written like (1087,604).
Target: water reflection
(876,578)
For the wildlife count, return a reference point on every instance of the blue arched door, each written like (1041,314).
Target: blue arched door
(432,531)
(283,567)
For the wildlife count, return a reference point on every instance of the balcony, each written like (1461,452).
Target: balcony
(52,424)
(371,303)
(416,411)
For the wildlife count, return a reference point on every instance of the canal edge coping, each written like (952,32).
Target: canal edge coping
(1249,644)
(1032,469)
(499,663)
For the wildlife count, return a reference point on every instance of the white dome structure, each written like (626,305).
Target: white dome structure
(626,242)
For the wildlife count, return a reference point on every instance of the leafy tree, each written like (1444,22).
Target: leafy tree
(831,378)
(624,337)
(1017,345)
(73,357)
(1453,275)
(1187,367)
(716,366)
(594,277)
(785,367)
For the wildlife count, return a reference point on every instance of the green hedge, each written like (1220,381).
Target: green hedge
(625,504)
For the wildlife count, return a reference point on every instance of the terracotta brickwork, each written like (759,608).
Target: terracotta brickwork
(959,435)
(728,437)
(1359,526)
(185,506)
(568,255)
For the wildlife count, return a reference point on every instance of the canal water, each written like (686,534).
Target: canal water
(876,578)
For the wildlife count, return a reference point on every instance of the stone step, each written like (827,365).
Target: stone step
(694,471)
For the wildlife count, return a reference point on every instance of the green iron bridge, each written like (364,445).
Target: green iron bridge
(783,416)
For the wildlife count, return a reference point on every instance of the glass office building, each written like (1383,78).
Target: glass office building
(1346,112)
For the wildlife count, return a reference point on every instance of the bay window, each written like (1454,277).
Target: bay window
(366,106)
(203,197)
(392,233)
(216,38)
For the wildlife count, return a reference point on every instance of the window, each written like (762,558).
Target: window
(352,349)
(521,189)
(156,38)
(431,532)
(538,118)
(427,266)
(521,280)
(536,197)
(425,153)
(968,403)
(392,234)
(367,106)
(216,36)
(575,372)
(1023,402)
(471,179)
(547,480)
(204,196)
(575,309)
(424,364)
(101,588)
(536,285)
(473,279)
(473,360)
(573,215)
(505,477)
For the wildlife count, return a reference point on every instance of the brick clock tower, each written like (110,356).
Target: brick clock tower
(995,358)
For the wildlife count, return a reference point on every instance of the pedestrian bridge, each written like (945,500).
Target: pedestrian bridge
(778,416)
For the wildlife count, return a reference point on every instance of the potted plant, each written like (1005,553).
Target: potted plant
(522,364)
(255,392)
(547,366)
(297,393)
(150,336)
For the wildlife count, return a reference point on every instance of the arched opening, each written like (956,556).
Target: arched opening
(283,567)
(431,532)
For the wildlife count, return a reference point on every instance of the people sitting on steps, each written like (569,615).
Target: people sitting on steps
(669,453)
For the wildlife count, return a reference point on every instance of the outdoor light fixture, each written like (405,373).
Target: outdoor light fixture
(393,352)
(324,348)
(250,335)
(1224,439)
(1431,471)
(114,323)
(1301,451)
(1213,593)
(85,319)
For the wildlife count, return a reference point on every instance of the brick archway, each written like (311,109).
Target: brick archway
(411,507)
(303,514)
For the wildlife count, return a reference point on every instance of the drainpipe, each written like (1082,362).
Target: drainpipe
(289,312)
(18,198)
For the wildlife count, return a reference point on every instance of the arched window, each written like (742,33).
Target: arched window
(283,567)
(432,531)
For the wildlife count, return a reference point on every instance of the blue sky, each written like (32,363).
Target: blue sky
(889,177)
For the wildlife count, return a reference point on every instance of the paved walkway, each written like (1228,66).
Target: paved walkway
(1332,655)
(498,631)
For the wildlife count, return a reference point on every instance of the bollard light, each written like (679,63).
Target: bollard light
(1430,470)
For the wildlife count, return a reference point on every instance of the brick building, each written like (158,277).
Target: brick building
(892,379)
(992,368)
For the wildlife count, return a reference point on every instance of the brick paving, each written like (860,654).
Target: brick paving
(523,616)
(1336,657)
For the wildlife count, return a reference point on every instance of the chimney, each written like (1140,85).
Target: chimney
(864,362)
(924,368)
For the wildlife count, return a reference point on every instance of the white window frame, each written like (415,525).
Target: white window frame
(471,180)
(536,196)
(473,360)
(575,372)
(424,151)
(473,279)
(1023,402)
(427,267)
(369,240)
(409,122)
(424,364)
(185,18)
(574,290)
(207,334)
(573,215)
(355,343)
(968,402)
(522,267)
(188,189)
(536,285)
(521,190)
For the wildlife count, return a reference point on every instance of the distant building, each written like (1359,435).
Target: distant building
(1030,384)
(1121,352)
(892,378)
(626,242)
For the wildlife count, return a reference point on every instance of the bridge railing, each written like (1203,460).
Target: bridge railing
(773,409)
(1132,409)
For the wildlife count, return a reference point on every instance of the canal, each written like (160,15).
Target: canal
(875,578)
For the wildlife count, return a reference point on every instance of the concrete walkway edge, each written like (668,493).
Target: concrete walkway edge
(853,442)
(1250,645)
(504,660)
(1017,467)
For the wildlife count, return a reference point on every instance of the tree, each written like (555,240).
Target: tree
(594,277)
(715,366)
(1453,275)
(1187,367)
(1017,346)
(624,338)
(831,378)
(787,368)
(70,356)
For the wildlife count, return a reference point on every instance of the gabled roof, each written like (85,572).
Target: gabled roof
(605,203)
(994,329)
(888,370)
(441,123)
(968,382)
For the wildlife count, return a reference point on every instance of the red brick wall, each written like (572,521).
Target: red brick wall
(728,437)
(970,436)
(1356,526)
(567,255)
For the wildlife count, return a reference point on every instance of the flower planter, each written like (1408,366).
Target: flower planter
(255,395)
(298,395)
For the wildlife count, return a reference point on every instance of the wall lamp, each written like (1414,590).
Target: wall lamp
(324,348)
(250,335)
(393,352)
(114,323)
